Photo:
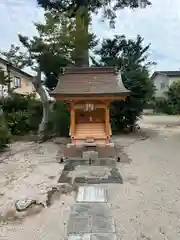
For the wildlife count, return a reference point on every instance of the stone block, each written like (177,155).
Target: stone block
(104,236)
(78,225)
(90,155)
(102,225)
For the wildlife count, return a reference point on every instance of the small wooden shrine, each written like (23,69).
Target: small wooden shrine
(89,91)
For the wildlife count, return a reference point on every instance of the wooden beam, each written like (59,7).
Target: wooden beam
(90,98)
(81,106)
(107,120)
(72,118)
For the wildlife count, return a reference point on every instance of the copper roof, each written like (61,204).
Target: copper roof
(90,80)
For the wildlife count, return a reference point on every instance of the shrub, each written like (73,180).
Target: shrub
(173,97)
(170,103)
(61,120)
(5,135)
(18,122)
(162,106)
(124,114)
(23,115)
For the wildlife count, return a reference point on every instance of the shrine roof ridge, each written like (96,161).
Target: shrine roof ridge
(90,80)
(89,70)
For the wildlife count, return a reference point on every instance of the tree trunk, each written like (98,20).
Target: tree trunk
(82,38)
(9,79)
(47,102)
(1,113)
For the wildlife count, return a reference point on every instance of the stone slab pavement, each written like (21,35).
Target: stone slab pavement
(92,220)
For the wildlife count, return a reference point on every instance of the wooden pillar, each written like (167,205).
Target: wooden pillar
(107,120)
(73,124)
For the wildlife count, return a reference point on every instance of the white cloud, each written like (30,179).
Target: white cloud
(158,24)
(17,16)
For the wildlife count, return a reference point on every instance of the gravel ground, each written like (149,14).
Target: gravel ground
(146,206)
(29,171)
(161,120)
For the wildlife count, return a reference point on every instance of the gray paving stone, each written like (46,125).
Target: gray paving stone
(103,236)
(102,225)
(78,225)
(100,210)
(89,209)
(81,209)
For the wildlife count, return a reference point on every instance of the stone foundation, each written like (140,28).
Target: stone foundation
(81,151)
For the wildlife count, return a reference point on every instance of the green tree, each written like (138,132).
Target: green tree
(59,33)
(169,103)
(56,45)
(81,11)
(16,57)
(131,57)
(109,10)
(173,98)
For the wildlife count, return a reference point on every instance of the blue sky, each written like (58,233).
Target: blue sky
(158,24)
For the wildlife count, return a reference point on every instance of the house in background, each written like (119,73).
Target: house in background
(163,79)
(21,82)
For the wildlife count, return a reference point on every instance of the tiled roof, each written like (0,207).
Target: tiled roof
(90,80)
(6,62)
(167,73)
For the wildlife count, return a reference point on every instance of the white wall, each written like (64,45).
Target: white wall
(26,82)
(163,79)
(158,80)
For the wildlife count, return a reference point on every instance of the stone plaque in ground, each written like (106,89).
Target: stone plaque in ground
(102,236)
(80,237)
(92,194)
